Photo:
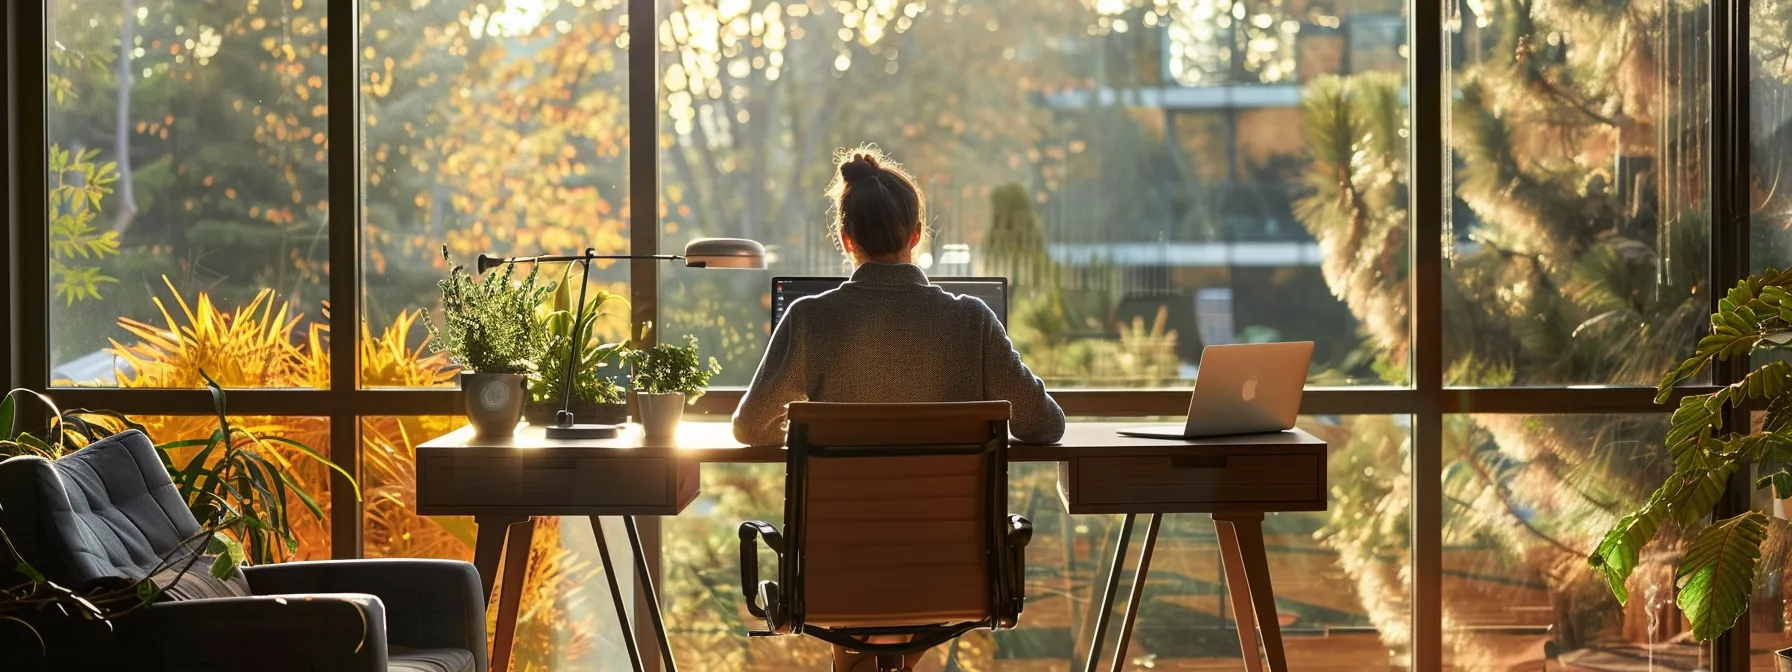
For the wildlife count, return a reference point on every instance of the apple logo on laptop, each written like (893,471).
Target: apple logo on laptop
(1250,389)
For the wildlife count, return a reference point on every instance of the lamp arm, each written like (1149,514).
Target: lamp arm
(565,418)
(486,262)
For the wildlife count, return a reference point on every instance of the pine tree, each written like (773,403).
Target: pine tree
(1577,254)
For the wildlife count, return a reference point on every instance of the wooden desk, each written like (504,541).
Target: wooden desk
(504,482)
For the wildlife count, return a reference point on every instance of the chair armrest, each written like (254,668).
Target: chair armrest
(430,604)
(1020,531)
(289,632)
(750,533)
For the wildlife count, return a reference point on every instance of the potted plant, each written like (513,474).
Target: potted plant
(488,329)
(595,395)
(666,377)
(1717,574)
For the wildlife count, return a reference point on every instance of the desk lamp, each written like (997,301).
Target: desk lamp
(737,253)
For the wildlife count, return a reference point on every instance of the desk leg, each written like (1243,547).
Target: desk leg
(488,549)
(653,598)
(1239,593)
(1106,602)
(516,573)
(628,630)
(1248,527)
(1138,592)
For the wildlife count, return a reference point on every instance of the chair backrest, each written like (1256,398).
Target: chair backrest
(107,512)
(893,513)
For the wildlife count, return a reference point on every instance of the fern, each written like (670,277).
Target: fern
(488,323)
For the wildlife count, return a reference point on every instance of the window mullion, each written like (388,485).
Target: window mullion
(345,274)
(1426,73)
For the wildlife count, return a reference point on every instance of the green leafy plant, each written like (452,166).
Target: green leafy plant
(667,368)
(488,323)
(1716,577)
(555,319)
(233,481)
(77,184)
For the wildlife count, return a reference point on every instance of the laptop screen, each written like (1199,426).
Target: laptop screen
(993,292)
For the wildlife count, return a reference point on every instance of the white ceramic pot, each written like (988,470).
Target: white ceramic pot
(494,402)
(660,413)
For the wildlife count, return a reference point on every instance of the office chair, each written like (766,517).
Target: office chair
(896,523)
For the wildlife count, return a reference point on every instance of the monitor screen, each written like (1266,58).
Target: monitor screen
(993,292)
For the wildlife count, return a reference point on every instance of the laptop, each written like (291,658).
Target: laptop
(993,292)
(1249,388)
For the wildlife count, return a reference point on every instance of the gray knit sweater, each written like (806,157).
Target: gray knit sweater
(887,336)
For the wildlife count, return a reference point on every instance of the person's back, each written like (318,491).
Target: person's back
(887,335)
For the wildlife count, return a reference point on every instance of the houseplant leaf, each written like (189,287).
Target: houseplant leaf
(8,411)
(1717,576)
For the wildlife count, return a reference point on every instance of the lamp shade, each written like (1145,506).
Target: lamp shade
(724,253)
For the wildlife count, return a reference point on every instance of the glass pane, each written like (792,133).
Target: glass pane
(188,193)
(1770,139)
(1341,590)
(1578,229)
(313,532)
(496,127)
(1525,497)
(1153,176)
(566,620)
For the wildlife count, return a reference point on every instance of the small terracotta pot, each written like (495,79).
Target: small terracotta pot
(494,402)
(660,413)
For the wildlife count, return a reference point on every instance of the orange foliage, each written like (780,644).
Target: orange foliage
(255,347)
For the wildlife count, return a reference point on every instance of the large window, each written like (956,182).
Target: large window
(487,128)
(1500,222)
(1143,173)
(186,147)
(1579,249)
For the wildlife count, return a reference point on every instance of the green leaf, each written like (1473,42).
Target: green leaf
(1698,492)
(147,591)
(1780,480)
(1717,576)
(29,572)
(8,413)
(223,567)
(230,555)
(1617,554)
(320,459)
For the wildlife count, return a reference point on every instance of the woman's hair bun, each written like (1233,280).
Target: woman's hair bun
(860,167)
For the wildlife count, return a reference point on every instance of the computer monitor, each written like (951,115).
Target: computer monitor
(993,292)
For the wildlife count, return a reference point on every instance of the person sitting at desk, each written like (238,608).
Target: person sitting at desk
(886,335)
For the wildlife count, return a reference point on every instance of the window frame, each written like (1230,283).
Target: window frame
(1427,400)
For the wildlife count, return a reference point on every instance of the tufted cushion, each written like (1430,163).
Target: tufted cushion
(429,660)
(103,514)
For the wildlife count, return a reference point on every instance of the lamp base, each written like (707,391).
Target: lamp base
(582,431)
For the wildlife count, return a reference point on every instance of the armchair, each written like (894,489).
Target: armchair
(109,514)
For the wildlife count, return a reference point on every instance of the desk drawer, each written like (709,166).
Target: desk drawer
(1205,483)
(539,485)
